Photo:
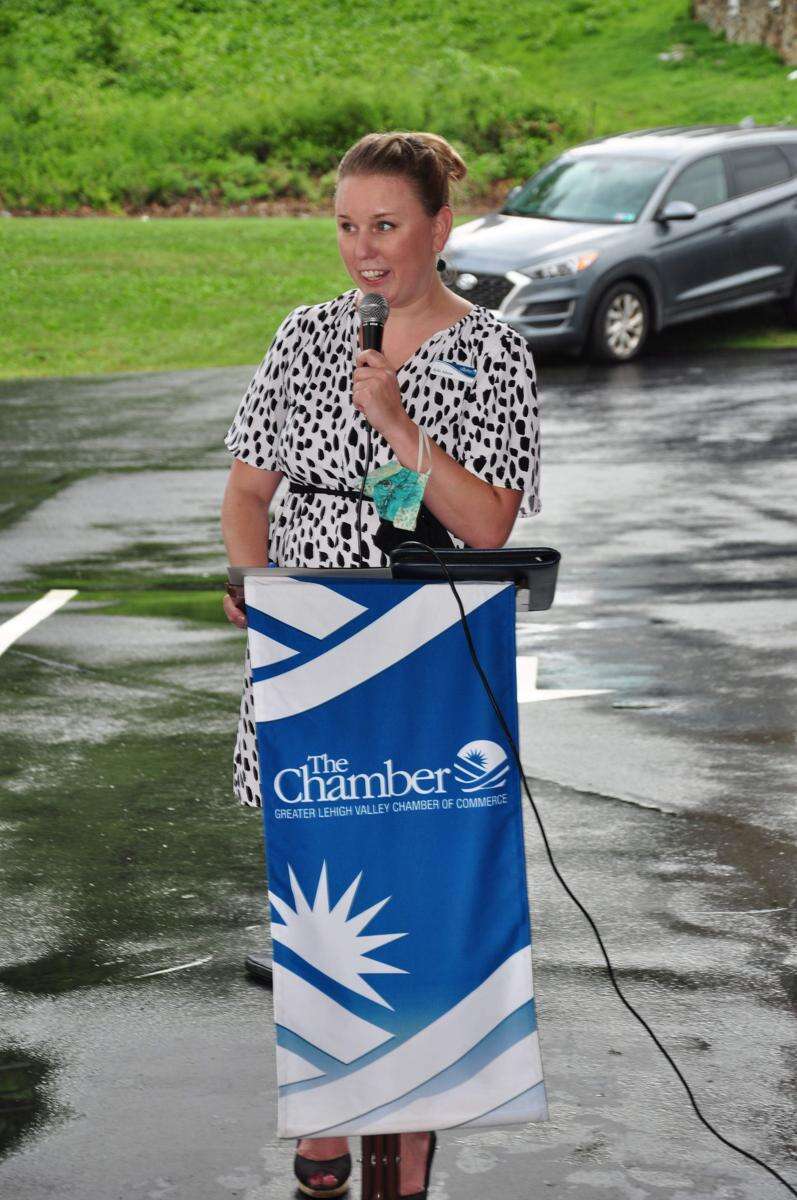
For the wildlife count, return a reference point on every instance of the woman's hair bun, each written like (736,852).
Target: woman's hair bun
(426,159)
(451,161)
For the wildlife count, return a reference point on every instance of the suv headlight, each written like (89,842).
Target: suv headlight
(558,267)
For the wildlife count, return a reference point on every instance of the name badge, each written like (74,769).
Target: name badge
(454,370)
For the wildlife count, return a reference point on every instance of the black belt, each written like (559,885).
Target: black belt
(428,529)
(309,489)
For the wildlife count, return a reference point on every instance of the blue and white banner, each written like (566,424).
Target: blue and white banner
(403,994)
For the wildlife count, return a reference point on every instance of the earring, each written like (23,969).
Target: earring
(441,264)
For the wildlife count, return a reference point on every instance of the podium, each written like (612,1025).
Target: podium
(403,986)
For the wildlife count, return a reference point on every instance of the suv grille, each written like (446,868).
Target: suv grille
(489,291)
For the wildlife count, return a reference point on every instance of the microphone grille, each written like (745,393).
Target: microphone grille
(374,308)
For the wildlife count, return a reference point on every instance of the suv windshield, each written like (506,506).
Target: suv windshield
(613,190)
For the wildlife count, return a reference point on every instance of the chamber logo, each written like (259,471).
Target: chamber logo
(453,370)
(481,766)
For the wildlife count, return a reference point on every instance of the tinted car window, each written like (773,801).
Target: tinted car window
(790,150)
(606,188)
(757,167)
(702,183)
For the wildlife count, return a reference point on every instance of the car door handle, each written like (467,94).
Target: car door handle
(730,228)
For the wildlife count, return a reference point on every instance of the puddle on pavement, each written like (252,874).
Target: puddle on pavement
(129,837)
(147,521)
(60,970)
(24,1104)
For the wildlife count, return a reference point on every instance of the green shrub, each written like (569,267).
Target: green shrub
(112,103)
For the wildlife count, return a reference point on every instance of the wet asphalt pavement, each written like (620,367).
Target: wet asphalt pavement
(668,487)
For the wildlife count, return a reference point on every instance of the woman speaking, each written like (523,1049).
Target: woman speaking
(450,402)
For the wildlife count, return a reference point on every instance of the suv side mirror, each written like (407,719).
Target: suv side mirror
(676,210)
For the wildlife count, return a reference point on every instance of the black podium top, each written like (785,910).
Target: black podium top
(532,569)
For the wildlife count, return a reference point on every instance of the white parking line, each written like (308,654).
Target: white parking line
(14,628)
(168,970)
(528,692)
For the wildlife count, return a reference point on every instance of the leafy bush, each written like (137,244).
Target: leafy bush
(113,103)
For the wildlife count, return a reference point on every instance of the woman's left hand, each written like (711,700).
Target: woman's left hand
(376,393)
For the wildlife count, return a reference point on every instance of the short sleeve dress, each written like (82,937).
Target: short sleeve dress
(473,388)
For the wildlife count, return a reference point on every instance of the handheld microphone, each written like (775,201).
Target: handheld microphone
(374,310)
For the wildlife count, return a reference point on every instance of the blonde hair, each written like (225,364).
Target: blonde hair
(427,160)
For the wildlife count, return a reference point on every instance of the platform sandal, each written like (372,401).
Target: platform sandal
(306,1169)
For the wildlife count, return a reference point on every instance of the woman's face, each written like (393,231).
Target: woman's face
(382,228)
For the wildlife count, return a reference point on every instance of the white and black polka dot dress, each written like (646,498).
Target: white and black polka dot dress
(297,417)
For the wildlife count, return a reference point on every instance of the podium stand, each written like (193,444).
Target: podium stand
(403,992)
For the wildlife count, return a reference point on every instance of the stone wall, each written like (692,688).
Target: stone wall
(768,22)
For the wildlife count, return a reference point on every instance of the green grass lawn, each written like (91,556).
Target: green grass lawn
(107,294)
(112,105)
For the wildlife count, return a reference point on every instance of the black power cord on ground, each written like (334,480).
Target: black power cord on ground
(516,753)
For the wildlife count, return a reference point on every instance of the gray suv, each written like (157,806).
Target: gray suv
(622,236)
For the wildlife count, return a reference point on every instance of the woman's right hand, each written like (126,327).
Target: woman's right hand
(233,613)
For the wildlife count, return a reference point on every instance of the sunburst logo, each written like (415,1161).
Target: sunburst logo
(481,766)
(331,940)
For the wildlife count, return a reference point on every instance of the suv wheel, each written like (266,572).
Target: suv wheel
(621,324)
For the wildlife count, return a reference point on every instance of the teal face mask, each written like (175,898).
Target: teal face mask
(397,491)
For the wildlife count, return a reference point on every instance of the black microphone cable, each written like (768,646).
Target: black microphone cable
(516,754)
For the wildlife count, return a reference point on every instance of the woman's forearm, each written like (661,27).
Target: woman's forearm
(244,527)
(475,511)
